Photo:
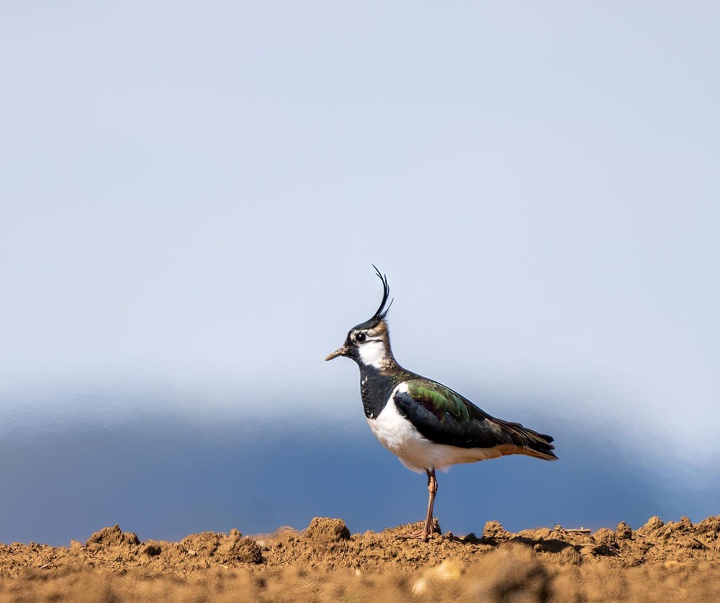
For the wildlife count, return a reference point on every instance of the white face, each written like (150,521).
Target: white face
(373,352)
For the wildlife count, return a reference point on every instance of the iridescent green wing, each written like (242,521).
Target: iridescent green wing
(439,400)
(444,416)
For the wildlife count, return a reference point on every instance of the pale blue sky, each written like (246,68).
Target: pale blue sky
(192,195)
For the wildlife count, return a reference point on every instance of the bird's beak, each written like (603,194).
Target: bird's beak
(339,352)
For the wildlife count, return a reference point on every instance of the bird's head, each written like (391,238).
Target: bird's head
(368,343)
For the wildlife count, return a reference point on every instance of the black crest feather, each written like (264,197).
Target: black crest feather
(382,311)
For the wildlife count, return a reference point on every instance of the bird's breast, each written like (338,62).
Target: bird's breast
(399,436)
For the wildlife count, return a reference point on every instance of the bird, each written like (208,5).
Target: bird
(427,425)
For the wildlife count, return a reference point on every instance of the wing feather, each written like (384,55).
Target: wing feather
(445,417)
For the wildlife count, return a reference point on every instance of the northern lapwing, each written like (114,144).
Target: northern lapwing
(427,425)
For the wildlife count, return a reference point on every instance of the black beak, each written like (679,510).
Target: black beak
(339,352)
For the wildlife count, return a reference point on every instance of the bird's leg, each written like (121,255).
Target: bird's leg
(429,527)
(432,491)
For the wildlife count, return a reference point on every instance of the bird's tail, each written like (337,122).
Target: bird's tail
(530,442)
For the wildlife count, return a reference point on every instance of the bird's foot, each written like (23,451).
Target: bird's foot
(427,531)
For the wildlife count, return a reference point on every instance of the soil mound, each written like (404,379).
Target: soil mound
(325,562)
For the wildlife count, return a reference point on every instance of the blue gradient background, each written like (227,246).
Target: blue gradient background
(168,478)
(192,196)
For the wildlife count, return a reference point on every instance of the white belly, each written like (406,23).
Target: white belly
(414,450)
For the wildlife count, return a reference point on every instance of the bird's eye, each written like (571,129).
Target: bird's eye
(360,337)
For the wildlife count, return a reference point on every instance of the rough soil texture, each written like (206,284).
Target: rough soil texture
(677,561)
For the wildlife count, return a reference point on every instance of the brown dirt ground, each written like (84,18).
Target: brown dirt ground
(659,562)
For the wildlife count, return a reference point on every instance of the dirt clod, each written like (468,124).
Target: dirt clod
(623,531)
(327,529)
(494,533)
(113,536)
(654,523)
